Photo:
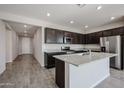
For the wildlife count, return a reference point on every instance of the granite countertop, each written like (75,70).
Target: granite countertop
(79,59)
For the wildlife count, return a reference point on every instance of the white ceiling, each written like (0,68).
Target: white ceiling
(63,13)
(20,29)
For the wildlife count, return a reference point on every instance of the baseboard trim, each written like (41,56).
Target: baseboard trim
(100,81)
(2,69)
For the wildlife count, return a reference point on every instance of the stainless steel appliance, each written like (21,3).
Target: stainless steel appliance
(68,40)
(112,44)
(67,50)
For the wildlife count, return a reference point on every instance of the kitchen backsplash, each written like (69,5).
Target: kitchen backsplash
(94,46)
(58,46)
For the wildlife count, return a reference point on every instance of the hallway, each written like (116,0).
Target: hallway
(26,72)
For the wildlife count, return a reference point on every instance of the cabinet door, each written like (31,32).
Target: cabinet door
(118,31)
(77,38)
(67,34)
(93,38)
(97,36)
(107,33)
(60,37)
(74,37)
(60,73)
(49,61)
(50,36)
(86,38)
(81,39)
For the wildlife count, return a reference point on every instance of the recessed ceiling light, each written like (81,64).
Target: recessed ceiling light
(48,14)
(99,7)
(25,26)
(81,5)
(86,26)
(71,22)
(112,18)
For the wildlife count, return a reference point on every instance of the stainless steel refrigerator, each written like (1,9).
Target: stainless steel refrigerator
(113,44)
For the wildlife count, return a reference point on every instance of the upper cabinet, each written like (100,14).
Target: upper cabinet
(59,37)
(50,36)
(93,38)
(113,32)
(55,36)
(107,33)
(118,31)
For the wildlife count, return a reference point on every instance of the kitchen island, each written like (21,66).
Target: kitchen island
(82,71)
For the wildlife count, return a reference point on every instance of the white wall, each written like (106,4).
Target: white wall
(37,46)
(9,57)
(25,45)
(92,46)
(12,50)
(20,45)
(15,50)
(2,47)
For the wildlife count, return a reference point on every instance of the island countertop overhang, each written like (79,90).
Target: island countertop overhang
(79,59)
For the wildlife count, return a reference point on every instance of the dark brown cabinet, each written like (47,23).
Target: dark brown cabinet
(59,37)
(76,38)
(118,31)
(67,34)
(50,36)
(113,32)
(55,36)
(107,33)
(82,39)
(50,60)
(97,36)
(60,73)
(93,38)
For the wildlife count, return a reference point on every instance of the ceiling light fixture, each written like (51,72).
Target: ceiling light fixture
(25,26)
(99,7)
(112,18)
(48,14)
(81,5)
(71,22)
(86,26)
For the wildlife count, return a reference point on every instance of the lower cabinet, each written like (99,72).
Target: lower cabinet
(50,60)
(60,73)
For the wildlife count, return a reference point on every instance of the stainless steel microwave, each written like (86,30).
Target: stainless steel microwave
(68,40)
